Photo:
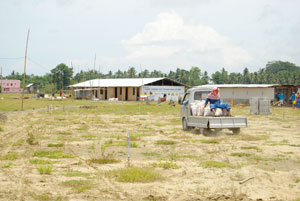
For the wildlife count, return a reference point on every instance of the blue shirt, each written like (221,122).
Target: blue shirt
(293,97)
(212,101)
(281,96)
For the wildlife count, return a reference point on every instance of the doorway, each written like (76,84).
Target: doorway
(126,94)
(116,92)
(105,93)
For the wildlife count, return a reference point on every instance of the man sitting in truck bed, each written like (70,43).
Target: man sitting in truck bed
(214,99)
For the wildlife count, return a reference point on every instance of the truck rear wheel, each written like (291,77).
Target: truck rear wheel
(236,130)
(185,126)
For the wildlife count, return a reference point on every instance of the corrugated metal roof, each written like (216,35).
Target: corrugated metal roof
(121,82)
(29,85)
(238,85)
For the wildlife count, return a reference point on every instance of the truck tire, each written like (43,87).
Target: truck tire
(185,126)
(236,130)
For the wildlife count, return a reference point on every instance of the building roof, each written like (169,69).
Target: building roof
(29,85)
(120,82)
(238,85)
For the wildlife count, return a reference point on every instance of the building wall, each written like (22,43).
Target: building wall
(110,92)
(131,96)
(172,92)
(10,86)
(243,95)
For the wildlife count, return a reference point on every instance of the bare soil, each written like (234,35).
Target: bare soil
(206,167)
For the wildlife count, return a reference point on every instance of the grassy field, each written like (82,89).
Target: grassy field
(77,152)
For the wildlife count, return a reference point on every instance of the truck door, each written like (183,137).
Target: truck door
(185,105)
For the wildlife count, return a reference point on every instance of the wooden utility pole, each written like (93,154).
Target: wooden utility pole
(25,69)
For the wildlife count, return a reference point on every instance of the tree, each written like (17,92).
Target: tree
(195,76)
(131,72)
(62,75)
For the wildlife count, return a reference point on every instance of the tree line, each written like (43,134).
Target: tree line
(60,77)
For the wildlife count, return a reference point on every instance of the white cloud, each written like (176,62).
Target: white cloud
(169,41)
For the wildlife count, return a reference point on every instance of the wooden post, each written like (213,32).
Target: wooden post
(25,69)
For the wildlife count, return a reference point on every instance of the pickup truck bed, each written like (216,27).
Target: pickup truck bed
(233,123)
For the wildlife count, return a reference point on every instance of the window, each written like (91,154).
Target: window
(201,95)
(120,90)
(186,98)
(11,84)
(133,91)
(101,91)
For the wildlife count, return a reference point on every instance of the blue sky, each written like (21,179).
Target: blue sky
(148,34)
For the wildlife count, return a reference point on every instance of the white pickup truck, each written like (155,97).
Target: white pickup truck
(207,122)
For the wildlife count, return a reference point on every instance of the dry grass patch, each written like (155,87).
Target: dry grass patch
(210,141)
(103,160)
(40,161)
(165,142)
(134,174)
(166,165)
(215,164)
(77,174)
(10,156)
(55,145)
(53,154)
(252,147)
(78,185)
(247,137)
(240,154)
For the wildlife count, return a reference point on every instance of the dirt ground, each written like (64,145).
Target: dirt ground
(260,163)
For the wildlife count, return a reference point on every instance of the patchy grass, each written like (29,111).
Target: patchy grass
(1,129)
(151,154)
(175,157)
(260,158)
(252,147)
(165,142)
(103,160)
(31,139)
(240,154)
(166,165)
(45,169)
(134,174)
(10,156)
(246,137)
(77,174)
(52,154)
(18,143)
(210,141)
(215,164)
(78,185)
(40,161)
(43,197)
(124,144)
(65,132)
(55,145)
(7,165)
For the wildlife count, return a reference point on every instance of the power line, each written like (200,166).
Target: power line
(36,63)
(11,58)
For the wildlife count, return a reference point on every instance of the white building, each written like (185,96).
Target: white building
(242,93)
(132,88)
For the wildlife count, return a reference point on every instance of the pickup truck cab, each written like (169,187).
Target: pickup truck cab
(206,122)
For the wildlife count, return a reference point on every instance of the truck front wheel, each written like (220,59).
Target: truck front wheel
(185,126)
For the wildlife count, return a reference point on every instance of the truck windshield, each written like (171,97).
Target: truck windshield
(201,95)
